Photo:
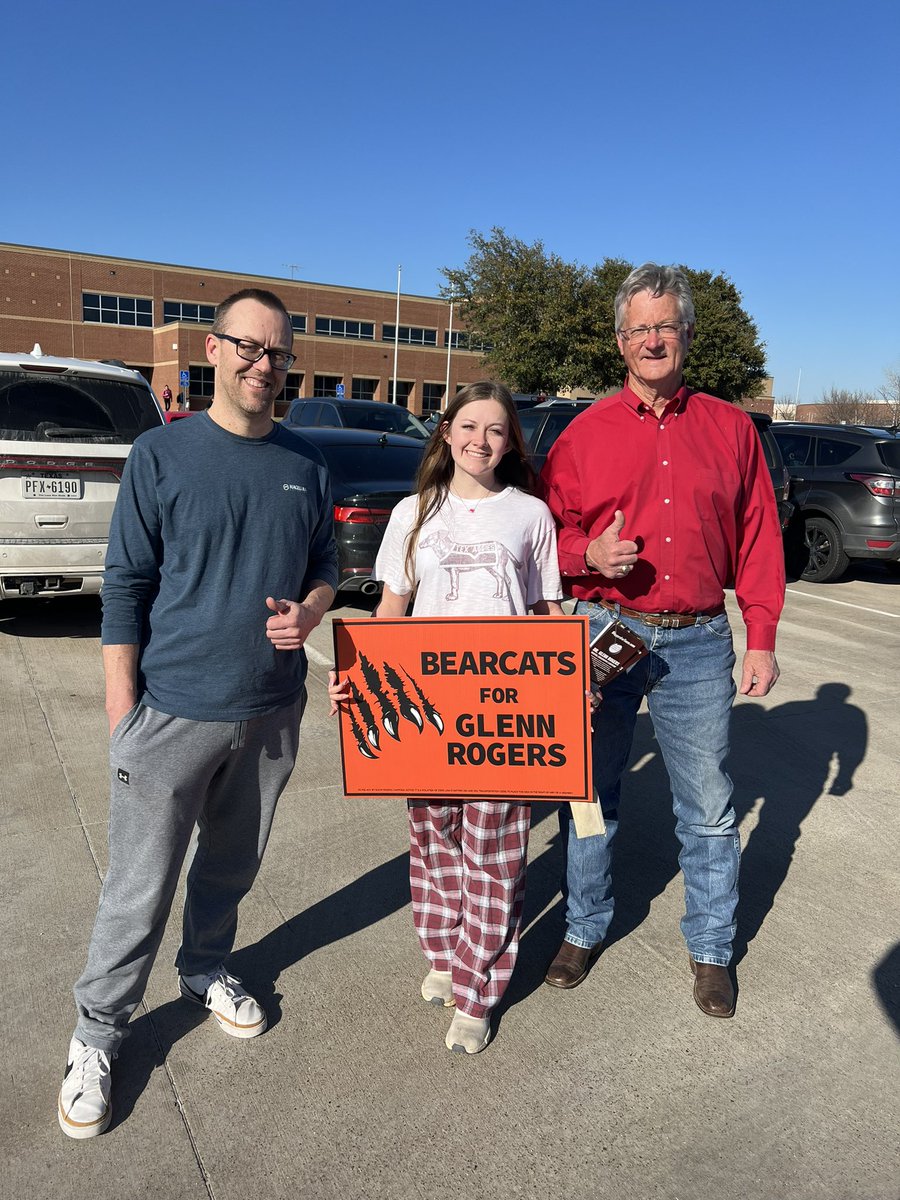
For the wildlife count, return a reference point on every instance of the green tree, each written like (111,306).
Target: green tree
(550,324)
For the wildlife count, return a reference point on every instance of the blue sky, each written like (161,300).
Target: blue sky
(760,140)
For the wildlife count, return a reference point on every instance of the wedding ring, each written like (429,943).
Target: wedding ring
(625,568)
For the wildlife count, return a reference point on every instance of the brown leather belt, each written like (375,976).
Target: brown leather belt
(664,620)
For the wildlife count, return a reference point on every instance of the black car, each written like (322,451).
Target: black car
(543,424)
(338,413)
(370,473)
(846,484)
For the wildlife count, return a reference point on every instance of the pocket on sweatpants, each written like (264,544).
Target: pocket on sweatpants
(127,721)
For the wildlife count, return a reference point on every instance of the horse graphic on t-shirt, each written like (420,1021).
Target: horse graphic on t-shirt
(455,557)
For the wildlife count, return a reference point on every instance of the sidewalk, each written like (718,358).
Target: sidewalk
(618,1090)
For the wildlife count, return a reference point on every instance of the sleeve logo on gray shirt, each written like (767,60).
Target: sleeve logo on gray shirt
(122,776)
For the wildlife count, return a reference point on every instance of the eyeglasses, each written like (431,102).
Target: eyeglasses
(253,352)
(668,330)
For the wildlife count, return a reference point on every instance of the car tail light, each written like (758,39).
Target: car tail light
(878,544)
(878,485)
(361,516)
(29,462)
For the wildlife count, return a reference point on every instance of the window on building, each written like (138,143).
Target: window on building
(326,385)
(116,310)
(339,327)
(193,314)
(298,322)
(404,391)
(202,384)
(411,335)
(293,386)
(460,340)
(432,397)
(363,389)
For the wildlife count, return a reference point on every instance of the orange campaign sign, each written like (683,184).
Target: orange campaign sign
(484,708)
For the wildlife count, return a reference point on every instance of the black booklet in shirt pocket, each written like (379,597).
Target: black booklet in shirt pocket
(613,650)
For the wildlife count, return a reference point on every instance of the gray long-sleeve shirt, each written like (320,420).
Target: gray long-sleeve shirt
(206,526)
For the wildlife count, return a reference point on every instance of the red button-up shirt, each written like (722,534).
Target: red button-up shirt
(697,497)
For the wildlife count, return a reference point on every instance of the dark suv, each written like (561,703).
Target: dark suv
(846,483)
(543,424)
(339,413)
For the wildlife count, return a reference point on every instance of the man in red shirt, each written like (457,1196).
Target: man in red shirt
(663,499)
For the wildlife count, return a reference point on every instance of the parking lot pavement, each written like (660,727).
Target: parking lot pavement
(620,1088)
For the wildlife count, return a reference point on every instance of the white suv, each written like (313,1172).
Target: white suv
(66,427)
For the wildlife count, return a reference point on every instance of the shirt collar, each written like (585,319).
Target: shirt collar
(677,404)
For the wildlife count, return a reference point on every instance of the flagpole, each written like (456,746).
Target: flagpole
(449,349)
(396,335)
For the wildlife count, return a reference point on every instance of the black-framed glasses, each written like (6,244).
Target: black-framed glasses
(281,360)
(667,330)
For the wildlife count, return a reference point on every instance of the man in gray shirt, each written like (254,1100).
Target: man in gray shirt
(221,562)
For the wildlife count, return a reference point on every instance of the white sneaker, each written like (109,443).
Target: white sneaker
(234,1008)
(83,1108)
(437,988)
(468,1035)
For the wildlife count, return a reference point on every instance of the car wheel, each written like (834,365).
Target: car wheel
(827,560)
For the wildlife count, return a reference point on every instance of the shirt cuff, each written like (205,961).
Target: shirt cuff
(761,637)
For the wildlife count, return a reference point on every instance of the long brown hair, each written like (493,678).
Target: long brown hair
(436,468)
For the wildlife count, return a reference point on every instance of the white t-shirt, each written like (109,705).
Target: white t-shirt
(494,557)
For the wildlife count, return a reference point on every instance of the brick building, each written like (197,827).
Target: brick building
(155,317)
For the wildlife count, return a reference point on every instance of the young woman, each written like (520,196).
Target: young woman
(467,859)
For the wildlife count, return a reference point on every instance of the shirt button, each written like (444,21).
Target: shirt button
(668,539)
(662,426)
(665,462)
(666,501)
(667,576)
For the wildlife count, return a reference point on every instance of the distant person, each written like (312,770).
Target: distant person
(167,397)
(221,562)
(663,499)
(467,859)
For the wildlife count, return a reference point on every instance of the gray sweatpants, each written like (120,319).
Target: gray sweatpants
(168,774)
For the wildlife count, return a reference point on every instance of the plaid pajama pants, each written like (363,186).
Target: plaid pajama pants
(467,878)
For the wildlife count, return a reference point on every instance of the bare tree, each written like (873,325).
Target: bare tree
(784,409)
(890,398)
(841,407)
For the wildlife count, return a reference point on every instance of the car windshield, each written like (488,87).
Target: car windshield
(47,408)
(384,418)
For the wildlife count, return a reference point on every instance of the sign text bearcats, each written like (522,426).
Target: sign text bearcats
(510,662)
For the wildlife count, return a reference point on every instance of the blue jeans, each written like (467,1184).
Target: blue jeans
(687,679)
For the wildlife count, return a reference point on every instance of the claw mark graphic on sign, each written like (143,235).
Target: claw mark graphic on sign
(407,708)
(431,713)
(366,713)
(389,717)
(455,557)
(361,744)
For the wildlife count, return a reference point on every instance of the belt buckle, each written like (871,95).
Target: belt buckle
(669,620)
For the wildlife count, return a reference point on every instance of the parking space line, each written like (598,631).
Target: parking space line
(845,604)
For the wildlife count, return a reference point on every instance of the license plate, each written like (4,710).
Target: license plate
(45,487)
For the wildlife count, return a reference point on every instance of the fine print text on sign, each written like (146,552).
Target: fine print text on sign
(489,708)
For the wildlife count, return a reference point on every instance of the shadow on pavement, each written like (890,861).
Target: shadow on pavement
(75,617)
(801,744)
(886,977)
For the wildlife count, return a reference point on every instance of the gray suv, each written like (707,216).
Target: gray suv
(846,483)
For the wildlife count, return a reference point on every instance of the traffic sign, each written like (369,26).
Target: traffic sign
(339,391)
(184,378)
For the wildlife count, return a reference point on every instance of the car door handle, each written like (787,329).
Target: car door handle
(51,522)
